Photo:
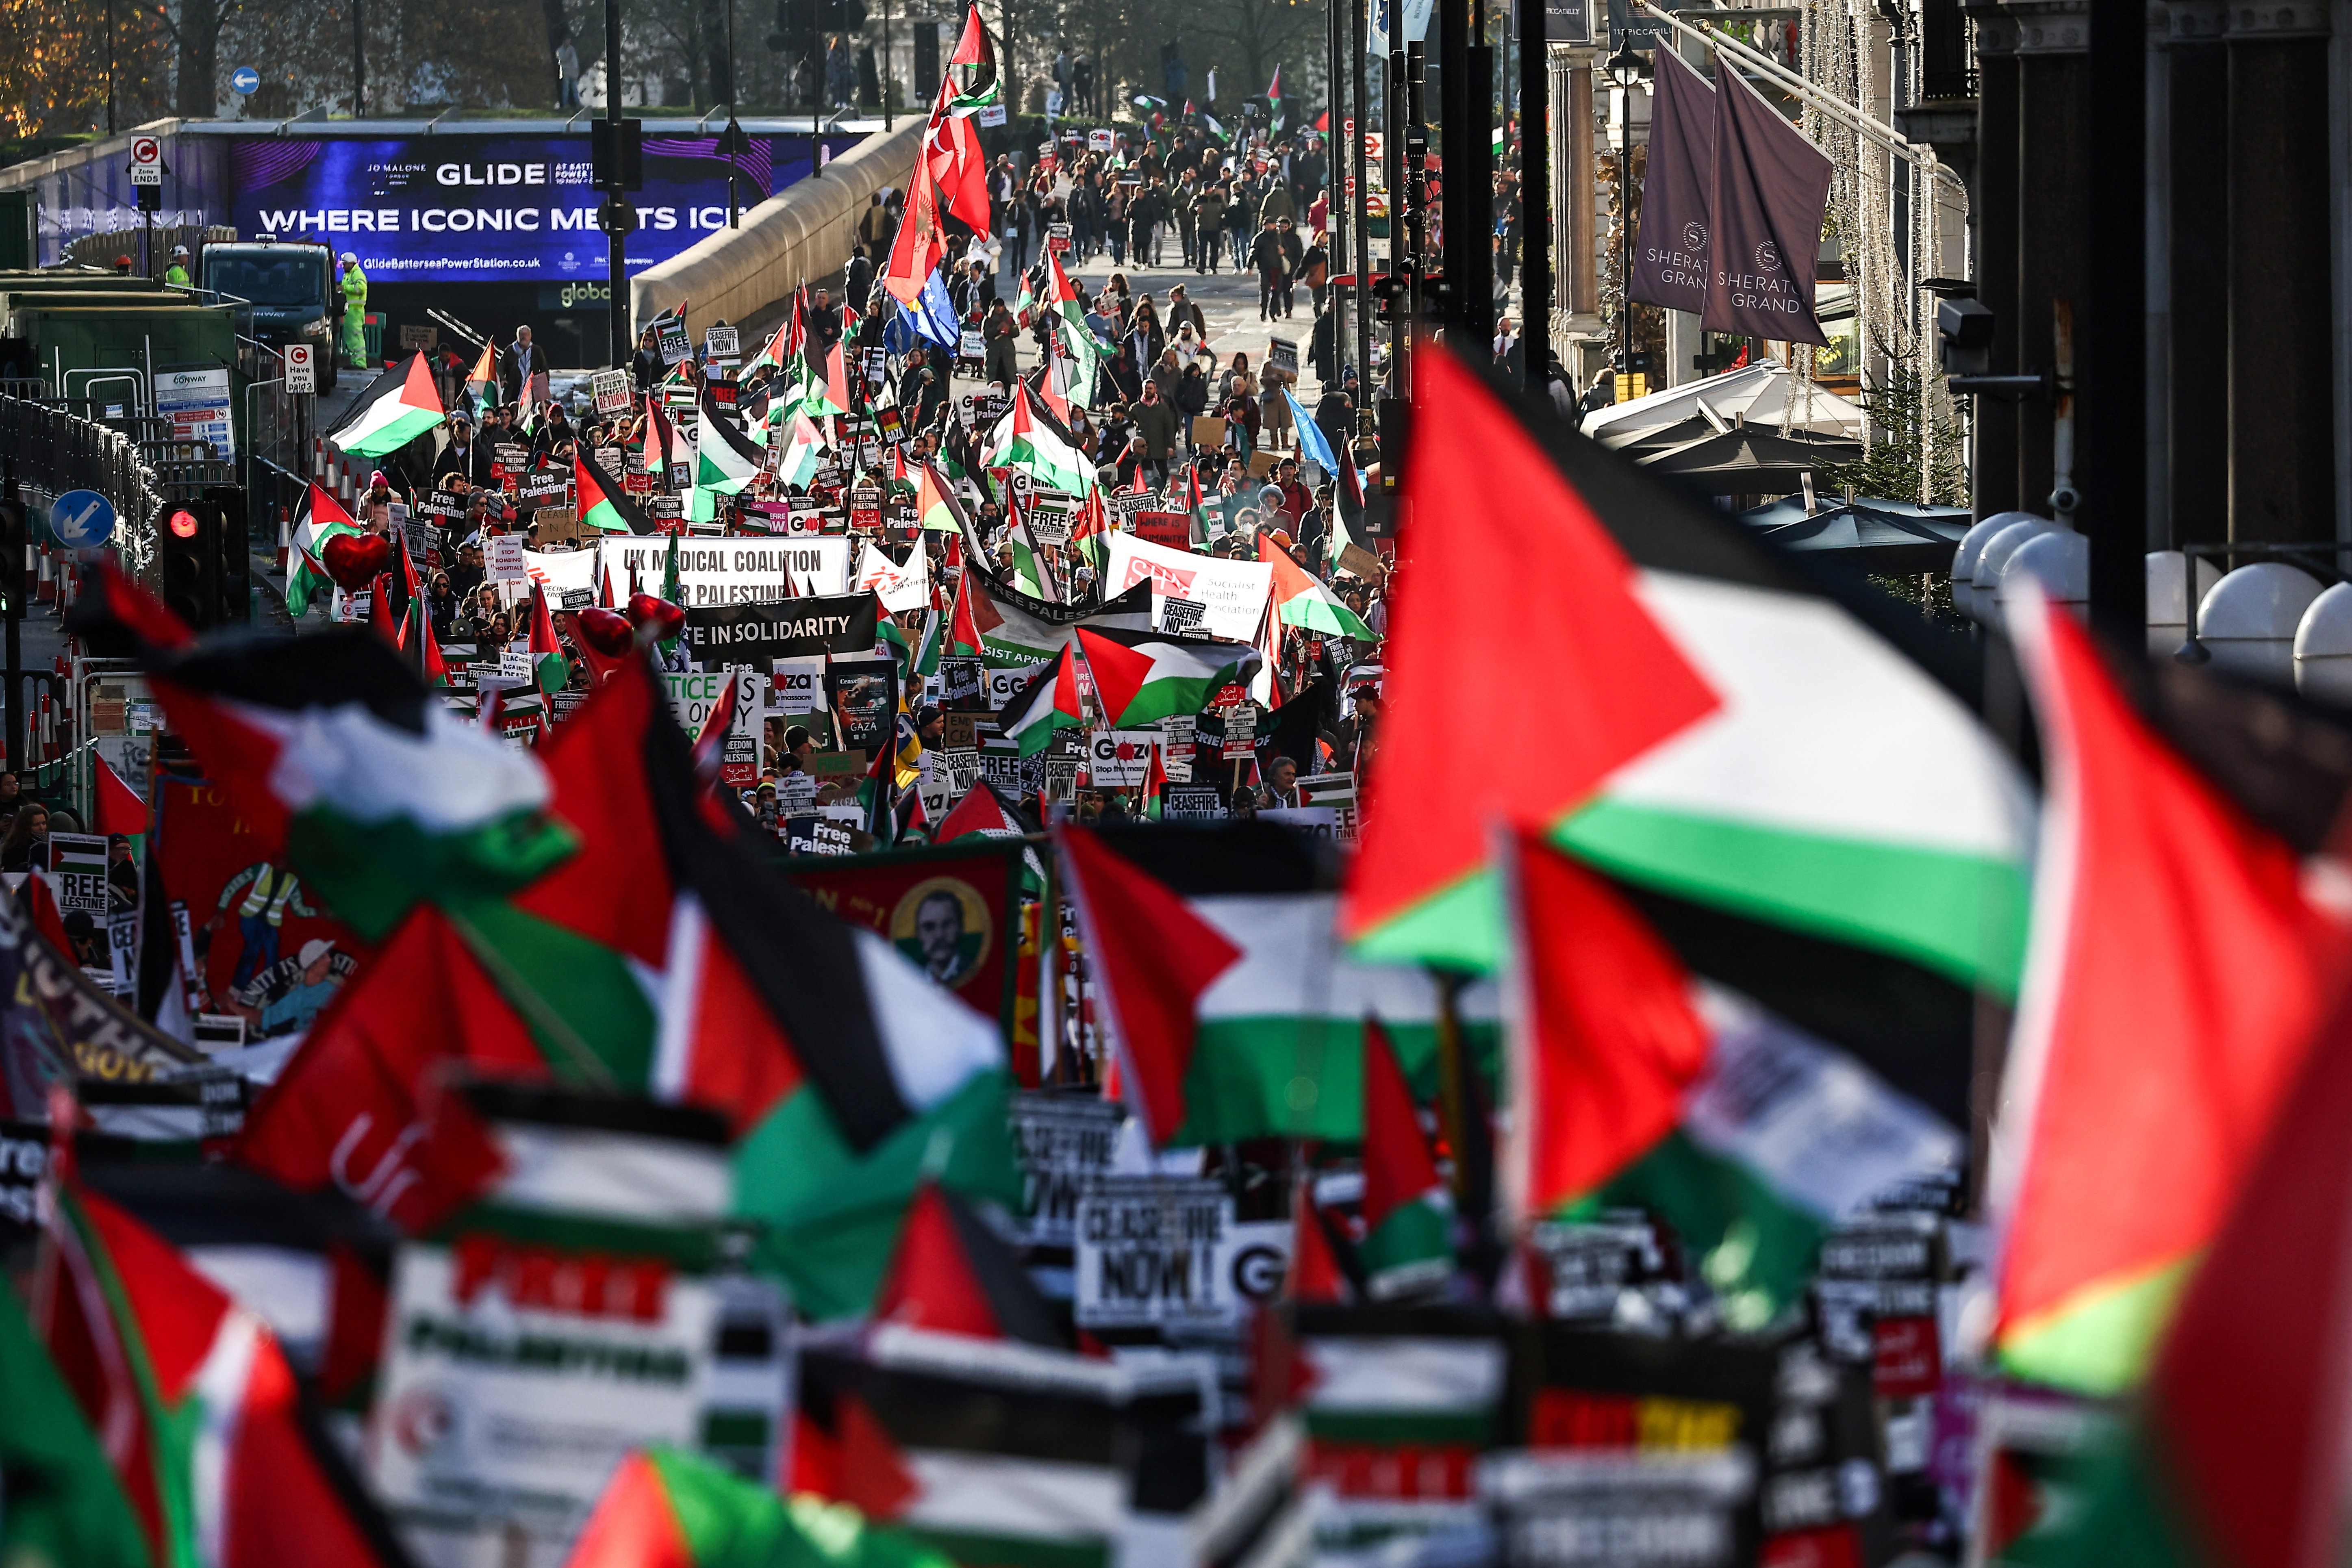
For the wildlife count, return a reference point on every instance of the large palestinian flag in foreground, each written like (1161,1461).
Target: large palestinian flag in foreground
(1235,1013)
(1141,678)
(380,794)
(1633,1084)
(666,1508)
(2178,970)
(396,408)
(840,1068)
(1701,717)
(148,1421)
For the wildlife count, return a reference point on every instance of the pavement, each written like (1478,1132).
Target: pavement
(1228,302)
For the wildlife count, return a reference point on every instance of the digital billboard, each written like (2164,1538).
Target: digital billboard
(460,208)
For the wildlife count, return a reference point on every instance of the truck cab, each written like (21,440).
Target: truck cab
(291,285)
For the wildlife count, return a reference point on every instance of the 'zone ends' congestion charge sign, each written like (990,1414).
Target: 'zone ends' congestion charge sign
(476,210)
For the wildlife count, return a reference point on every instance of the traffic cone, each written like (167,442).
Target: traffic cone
(285,536)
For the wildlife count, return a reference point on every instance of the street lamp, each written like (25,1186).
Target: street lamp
(1626,70)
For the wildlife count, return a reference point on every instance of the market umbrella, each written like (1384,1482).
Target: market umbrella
(1886,537)
(1744,460)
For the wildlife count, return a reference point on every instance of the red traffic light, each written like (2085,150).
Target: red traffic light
(182,522)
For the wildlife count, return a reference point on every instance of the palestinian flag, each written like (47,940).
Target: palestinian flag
(605,505)
(935,504)
(1141,678)
(1152,799)
(1407,1246)
(1031,441)
(549,671)
(1030,573)
(1392,1390)
(164,1417)
(781,344)
(1235,1012)
(972,82)
(951,1274)
(1049,702)
(323,518)
(1635,1084)
(1195,504)
(377,793)
(843,1074)
(725,460)
(482,381)
(804,456)
(396,408)
(1001,1451)
(1300,601)
(418,645)
(666,1508)
(2231,1455)
(983,811)
(1685,734)
(1028,630)
(2178,970)
(1091,528)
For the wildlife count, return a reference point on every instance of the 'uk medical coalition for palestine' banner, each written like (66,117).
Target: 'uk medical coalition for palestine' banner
(481,209)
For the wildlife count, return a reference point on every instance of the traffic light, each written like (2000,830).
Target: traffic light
(200,543)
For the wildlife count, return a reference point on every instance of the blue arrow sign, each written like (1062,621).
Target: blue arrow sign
(245,80)
(81,520)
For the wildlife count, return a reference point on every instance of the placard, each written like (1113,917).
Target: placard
(77,873)
(24,1161)
(519,1370)
(1282,352)
(671,341)
(1193,802)
(723,343)
(502,558)
(1119,759)
(1064,1143)
(813,834)
(784,628)
(864,697)
(614,391)
(1232,595)
(1152,1253)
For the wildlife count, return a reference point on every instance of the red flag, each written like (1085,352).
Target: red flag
(2174,979)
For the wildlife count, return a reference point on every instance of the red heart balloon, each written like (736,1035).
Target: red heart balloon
(606,631)
(659,617)
(352,560)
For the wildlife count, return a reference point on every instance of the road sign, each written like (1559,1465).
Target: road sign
(81,520)
(146,160)
(301,368)
(244,81)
